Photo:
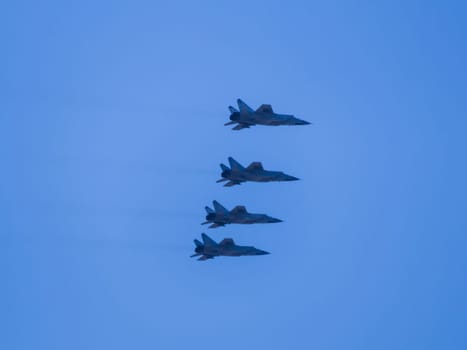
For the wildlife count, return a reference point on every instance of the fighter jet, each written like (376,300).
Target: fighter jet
(237,174)
(264,115)
(238,215)
(227,247)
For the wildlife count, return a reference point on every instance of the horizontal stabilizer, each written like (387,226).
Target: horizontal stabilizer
(215,225)
(205,257)
(241,126)
(224,167)
(233,110)
(222,180)
(230,123)
(198,243)
(209,210)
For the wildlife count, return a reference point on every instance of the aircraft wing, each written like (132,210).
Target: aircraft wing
(239,209)
(265,109)
(227,242)
(255,166)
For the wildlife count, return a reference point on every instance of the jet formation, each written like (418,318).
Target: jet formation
(245,117)
(220,216)
(237,174)
(209,249)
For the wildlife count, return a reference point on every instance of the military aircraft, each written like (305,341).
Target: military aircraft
(237,174)
(264,115)
(238,215)
(209,249)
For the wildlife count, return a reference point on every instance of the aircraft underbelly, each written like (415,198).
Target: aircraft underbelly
(232,253)
(261,178)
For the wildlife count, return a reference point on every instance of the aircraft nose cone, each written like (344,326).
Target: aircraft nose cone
(273,220)
(261,252)
(296,121)
(291,178)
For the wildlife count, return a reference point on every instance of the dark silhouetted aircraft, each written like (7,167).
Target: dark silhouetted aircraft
(209,249)
(220,216)
(264,115)
(237,174)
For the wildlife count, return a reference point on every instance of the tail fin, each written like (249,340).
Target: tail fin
(244,108)
(208,241)
(232,109)
(224,167)
(198,243)
(209,210)
(219,208)
(235,165)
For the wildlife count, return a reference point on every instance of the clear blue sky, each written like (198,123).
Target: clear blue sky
(111,132)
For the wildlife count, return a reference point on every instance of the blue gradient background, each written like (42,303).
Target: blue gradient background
(111,132)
